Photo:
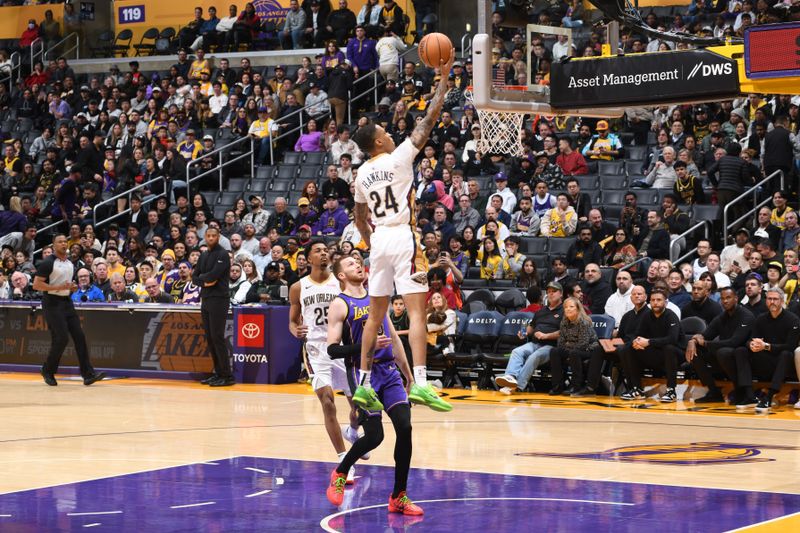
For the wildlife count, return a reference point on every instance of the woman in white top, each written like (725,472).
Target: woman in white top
(442,321)
(251,275)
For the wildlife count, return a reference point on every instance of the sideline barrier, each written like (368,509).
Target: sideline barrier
(143,340)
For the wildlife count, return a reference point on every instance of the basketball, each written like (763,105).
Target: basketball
(435,49)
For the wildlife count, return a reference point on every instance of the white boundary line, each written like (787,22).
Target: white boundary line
(186,506)
(250,468)
(260,493)
(324,523)
(94,513)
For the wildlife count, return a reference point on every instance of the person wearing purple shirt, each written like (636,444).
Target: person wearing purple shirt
(333,220)
(361,52)
(333,56)
(311,141)
(59,108)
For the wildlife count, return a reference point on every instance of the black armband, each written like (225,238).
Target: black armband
(342,351)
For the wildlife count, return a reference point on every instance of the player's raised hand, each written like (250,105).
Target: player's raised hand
(445,71)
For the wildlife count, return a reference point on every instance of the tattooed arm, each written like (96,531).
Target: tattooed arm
(423,130)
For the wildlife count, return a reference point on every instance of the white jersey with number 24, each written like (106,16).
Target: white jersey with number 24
(384,183)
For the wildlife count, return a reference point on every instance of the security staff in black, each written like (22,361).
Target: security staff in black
(714,348)
(54,280)
(212,275)
(655,346)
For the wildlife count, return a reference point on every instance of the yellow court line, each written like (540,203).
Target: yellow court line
(776,525)
(467,396)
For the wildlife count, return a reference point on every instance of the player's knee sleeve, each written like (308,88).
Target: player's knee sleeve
(373,432)
(401,420)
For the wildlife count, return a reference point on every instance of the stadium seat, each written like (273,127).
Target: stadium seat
(281,185)
(533,245)
(292,158)
(473,283)
(507,339)
(603,325)
(309,172)
(635,153)
(510,300)
(122,43)
(474,273)
(613,182)
(286,172)
(611,168)
(559,245)
(480,335)
(475,307)
(704,212)
(587,182)
(482,295)
(152,35)
(103,44)
(259,185)
(228,198)
(316,158)
(612,198)
(265,172)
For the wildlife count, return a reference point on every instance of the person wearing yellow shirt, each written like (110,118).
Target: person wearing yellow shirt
(261,128)
(492,263)
(778,216)
(199,66)
(114,264)
(561,220)
(190,147)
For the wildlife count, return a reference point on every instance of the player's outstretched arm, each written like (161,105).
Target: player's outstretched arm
(296,326)
(361,217)
(423,130)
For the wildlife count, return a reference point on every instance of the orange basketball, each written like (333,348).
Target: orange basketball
(435,49)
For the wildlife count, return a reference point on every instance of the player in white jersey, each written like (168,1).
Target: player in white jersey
(310,299)
(384,194)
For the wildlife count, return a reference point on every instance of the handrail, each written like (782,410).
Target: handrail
(375,85)
(76,47)
(219,152)
(633,263)
(466,51)
(37,50)
(704,223)
(754,190)
(129,192)
(291,132)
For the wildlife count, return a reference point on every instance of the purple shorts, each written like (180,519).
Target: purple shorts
(388,384)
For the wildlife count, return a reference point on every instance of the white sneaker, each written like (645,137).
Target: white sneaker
(351,475)
(437,384)
(507,391)
(351,435)
(797,405)
(506,380)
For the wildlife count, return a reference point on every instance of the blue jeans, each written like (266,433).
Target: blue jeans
(525,359)
(569,23)
(263,150)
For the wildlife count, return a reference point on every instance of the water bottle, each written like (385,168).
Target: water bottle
(284,292)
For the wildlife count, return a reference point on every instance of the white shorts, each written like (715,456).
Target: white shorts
(394,260)
(326,372)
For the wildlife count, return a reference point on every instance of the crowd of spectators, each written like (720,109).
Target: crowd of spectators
(476,212)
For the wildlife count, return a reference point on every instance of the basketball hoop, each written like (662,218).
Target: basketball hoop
(501,131)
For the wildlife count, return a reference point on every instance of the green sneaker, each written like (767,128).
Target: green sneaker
(366,399)
(428,396)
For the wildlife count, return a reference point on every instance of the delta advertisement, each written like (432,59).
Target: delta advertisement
(656,78)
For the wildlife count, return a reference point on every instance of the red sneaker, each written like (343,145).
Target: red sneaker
(402,504)
(335,492)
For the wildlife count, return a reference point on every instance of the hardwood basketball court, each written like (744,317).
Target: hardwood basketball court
(192,449)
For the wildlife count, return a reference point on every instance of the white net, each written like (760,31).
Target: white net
(501,131)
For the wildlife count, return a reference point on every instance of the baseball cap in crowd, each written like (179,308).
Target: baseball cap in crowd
(263,109)
(256,197)
(156,88)
(602,125)
(273,265)
(151,246)
(113,227)
(775,265)
(190,132)
(700,109)
(331,196)
(303,201)
(185,262)
(537,155)
(743,230)
(109,148)
(304,227)
(458,64)
(312,85)
(278,67)
(500,176)
(385,101)
(208,137)
(795,101)
(555,286)
(84,88)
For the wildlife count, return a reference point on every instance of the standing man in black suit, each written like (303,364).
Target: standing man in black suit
(778,152)
(212,275)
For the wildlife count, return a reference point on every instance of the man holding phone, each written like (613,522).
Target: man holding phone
(734,253)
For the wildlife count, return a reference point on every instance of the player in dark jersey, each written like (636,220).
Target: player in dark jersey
(347,315)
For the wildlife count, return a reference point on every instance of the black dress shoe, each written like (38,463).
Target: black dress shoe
(97,376)
(222,382)
(49,378)
(556,391)
(711,397)
(208,380)
(583,391)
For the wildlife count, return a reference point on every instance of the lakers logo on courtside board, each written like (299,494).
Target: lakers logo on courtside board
(695,453)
